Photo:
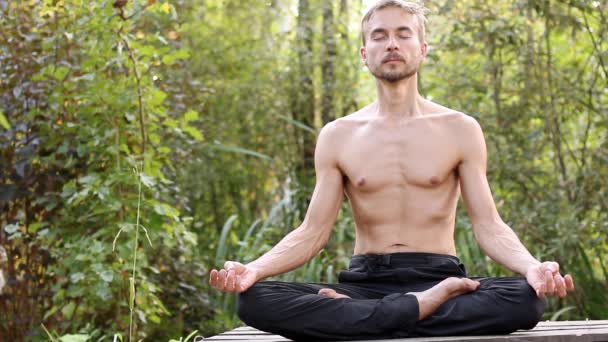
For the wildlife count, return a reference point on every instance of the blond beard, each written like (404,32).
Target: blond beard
(392,76)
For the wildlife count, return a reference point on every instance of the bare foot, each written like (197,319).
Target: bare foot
(331,294)
(431,299)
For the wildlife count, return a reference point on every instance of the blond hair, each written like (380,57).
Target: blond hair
(410,7)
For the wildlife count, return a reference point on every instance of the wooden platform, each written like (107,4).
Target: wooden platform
(564,331)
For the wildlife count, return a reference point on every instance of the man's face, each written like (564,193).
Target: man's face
(393,50)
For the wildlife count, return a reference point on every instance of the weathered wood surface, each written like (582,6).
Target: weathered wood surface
(563,331)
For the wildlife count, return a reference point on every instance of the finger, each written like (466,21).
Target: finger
(560,285)
(549,282)
(553,266)
(238,284)
(221,281)
(540,292)
(569,282)
(230,280)
(213,277)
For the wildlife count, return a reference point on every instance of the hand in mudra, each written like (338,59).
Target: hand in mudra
(234,277)
(546,280)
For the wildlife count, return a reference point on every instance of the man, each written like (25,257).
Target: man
(402,161)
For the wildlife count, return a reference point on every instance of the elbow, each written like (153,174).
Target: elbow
(317,236)
(486,227)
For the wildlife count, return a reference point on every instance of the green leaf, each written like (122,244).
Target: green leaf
(35,226)
(147,180)
(298,124)
(76,277)
(107,276)
(86,77)
(89,179)
(103,291)
(177,54)
(170,122)
(194,133)
(560,312)
(3,122)
(164,150)
(154,138)
(51,312)
(154,319)
(222,245)
(166,210)
(191,335)
(68,310)
(156,97)
(60,73)
(191,115)
(239,150)
(74,338)
(11,228)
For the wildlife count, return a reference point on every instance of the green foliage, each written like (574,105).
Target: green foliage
(70,189)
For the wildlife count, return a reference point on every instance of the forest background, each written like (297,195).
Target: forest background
(143,142)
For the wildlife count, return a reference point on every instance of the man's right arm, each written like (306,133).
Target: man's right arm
(303,243)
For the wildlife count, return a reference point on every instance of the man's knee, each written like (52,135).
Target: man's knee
(249,306)
(260,305)
(528,310)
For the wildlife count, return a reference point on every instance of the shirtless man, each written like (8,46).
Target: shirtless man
(402,162)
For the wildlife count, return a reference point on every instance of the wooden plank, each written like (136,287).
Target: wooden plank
(562,331)
(572,323)
(268,338)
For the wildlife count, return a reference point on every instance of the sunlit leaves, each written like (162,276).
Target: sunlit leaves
(171,57)
(3,122)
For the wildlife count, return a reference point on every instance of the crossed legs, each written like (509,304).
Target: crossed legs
(347,311)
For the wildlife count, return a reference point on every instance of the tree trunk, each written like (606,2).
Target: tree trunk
(303,93)
(329,57)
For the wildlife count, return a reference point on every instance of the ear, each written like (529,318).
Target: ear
(363,54)
(424,49)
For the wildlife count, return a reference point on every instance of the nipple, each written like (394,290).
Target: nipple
(434,180)
(361,181)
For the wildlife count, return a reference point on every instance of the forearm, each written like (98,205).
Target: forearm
(501,244)
(294,250)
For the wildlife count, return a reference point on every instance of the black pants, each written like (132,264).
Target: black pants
(379,307)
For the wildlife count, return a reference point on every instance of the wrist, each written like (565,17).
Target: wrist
(257,270)
(530,265)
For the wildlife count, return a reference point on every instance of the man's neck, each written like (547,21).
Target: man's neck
(399,100)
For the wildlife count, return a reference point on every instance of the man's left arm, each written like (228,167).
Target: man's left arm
(496,238)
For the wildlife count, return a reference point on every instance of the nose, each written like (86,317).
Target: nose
(392,44)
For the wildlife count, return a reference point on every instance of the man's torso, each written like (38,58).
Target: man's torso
(401,180)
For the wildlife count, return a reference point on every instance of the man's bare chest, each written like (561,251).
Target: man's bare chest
(373,162)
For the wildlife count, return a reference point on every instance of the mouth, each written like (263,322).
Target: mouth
(393,59)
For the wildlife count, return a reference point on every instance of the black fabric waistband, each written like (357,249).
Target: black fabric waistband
(401,259)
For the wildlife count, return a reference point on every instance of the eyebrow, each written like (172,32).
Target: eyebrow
(405,28)
(400,29)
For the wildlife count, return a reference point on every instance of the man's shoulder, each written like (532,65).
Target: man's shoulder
(456,120)
(346,124)
(464,130)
